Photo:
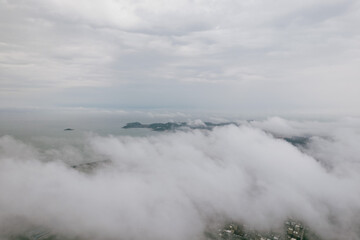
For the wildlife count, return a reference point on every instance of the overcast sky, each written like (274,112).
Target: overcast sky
(269,57)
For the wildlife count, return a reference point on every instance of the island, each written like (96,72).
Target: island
(177,125)
(297,141)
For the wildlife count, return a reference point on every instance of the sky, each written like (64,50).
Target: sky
(255,56)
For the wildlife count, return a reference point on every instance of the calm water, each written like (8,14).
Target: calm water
(45,129)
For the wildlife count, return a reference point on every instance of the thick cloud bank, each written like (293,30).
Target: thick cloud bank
(173,185)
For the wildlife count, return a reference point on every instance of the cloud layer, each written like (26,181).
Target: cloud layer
(172,186)
(259,55)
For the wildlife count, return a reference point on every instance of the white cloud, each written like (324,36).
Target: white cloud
(171,185)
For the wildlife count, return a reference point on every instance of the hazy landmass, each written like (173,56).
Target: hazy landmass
(177,125)
(172,126)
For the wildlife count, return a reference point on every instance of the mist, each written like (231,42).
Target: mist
(178,184)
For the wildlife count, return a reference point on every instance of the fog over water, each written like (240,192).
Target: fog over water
(175,185)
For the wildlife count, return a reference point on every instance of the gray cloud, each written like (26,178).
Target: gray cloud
(264,52)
